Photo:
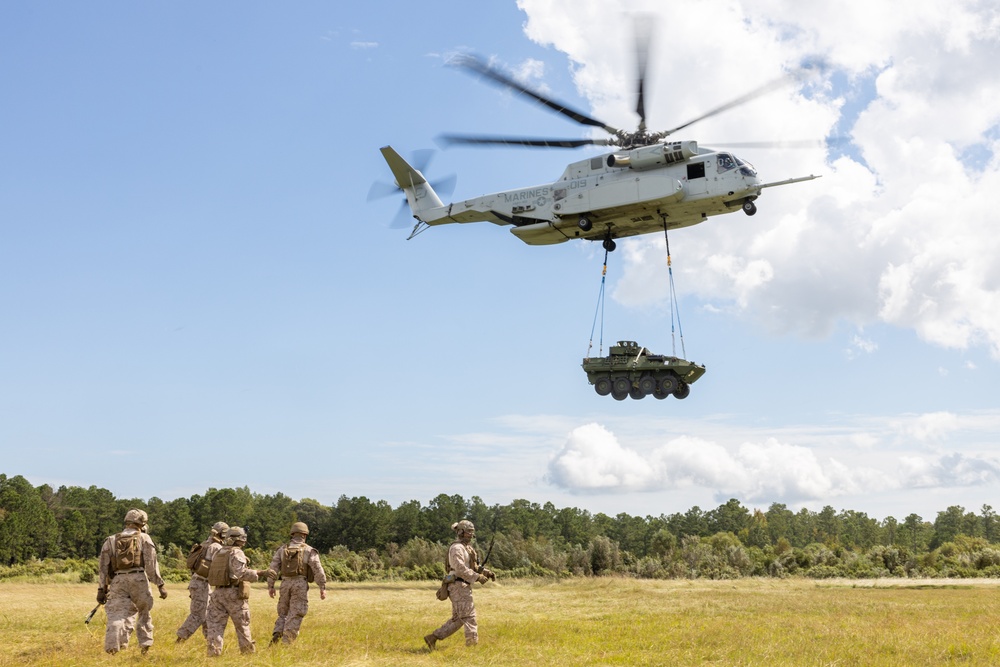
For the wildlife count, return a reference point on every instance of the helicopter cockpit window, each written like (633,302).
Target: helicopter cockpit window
(726,162)
(746,168)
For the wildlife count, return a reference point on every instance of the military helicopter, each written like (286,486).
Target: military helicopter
(647,184)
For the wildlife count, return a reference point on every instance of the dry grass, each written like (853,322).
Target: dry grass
(576,622)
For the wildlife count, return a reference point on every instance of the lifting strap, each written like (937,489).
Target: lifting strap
(600,309)
(674,303)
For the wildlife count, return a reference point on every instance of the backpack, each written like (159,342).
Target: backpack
(194,556)
(128,551)
(218,571)
(294,562)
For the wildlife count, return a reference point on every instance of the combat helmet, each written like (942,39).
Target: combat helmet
(300,527)
(463,526)
(219,528)
(138,517)
(236,534)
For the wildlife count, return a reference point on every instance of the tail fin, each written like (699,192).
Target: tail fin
(419,193)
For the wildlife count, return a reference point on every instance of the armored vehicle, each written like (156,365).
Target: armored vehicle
(632,370)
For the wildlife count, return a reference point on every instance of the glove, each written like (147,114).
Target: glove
(102,595)
(163,592)
(481,579)
(489,574)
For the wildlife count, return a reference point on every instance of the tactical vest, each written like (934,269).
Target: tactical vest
(473,557)
(127,552)
(295,561)
(218,571)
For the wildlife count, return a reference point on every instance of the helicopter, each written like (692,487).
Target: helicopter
(648,183)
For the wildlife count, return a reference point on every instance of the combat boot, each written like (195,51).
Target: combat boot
(430,640)
(275,638)
(144,650)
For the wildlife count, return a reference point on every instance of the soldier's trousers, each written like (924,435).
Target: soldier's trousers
(199,591)
(293,605)
(127,594)
(224,604)
(463,614)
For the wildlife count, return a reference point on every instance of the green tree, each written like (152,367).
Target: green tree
(28,528)
(731,517)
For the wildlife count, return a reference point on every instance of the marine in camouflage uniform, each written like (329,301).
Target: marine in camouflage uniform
(463,573)
(293,603)
(123,586)
(198,589)
(230,600)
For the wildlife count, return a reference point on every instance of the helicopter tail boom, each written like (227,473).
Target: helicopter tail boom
(419,193)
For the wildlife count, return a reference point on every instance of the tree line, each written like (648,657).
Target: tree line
(360,538)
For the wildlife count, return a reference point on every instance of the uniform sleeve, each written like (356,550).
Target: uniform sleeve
(275,565)
(151,565)
(210,550)
(238,569)
(458,558)
(104,564)
(319,574)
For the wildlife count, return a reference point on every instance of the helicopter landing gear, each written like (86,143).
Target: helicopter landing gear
(749,207)
(609,244)
(584,223)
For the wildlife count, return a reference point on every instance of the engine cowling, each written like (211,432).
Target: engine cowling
(658,155)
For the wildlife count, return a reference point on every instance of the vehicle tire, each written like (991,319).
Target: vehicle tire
(636,394)
(647,385)
(620,387)
(668,383)
(603,385)
(609,245)
(585,223)
(659,395)
(749,207)
(682,391)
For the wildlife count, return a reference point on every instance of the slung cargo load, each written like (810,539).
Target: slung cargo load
(632,370)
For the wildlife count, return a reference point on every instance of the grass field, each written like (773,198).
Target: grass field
(601,621)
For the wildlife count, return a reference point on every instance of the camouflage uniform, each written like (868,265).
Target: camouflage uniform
(461,565)
(293,603)
(127,590)
(198,589)
(226,601)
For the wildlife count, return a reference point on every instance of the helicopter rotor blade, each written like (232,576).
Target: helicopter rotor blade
(787,143)
(403,217)
(476,65)
(770,86)
(381,190)
(642,26)
(468,140)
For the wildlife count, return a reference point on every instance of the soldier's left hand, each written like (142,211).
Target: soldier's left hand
(270,591)
(322,594)
(163,592)
(490,574)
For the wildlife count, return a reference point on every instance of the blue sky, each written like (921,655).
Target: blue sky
(195,293)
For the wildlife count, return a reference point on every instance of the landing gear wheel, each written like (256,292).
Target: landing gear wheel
(620,387)
(749,207)
(647,385)
(585,223)
(603,385)
(668,384)
(682,390)
(610,245)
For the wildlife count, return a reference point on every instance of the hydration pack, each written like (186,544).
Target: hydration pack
(194,557)
(128,551)
(295,562)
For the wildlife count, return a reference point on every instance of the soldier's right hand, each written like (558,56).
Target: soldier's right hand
(482,579)
(102,595)
(270,591)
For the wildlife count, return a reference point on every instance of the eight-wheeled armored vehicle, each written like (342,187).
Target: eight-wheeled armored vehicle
(632,370)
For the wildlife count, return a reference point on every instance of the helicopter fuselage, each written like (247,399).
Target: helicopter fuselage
(609,196)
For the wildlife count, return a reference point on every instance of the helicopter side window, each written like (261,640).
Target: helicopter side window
(726,162)
(696,170)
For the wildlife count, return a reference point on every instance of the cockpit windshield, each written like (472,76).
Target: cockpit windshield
(746,168)
(726,162)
